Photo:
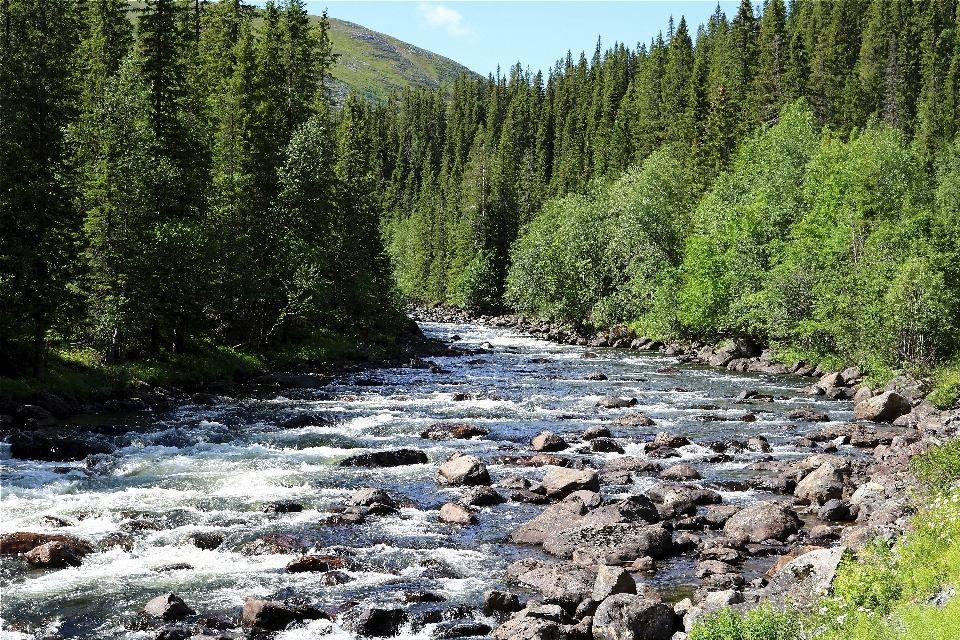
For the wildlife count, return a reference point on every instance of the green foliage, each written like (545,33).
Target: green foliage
(760,623)
(939,467)
(946,390)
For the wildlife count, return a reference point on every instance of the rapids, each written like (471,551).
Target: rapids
(201,468)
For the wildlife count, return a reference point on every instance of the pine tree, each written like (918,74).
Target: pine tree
(770,84)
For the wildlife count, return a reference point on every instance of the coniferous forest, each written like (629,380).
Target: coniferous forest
(175,176)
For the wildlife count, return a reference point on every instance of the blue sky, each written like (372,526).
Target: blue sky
(482,34)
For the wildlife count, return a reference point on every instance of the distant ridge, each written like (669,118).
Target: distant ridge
(372,63)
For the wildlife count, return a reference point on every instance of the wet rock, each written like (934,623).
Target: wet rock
(452,513)
(500,602)
(282,507)
(461,469)
(32,416)
(590,499)
(595,375)
(685,541)
(54,444)
(422,596)
(717,515)
(758,444)
(306,420)
(169,606)
(21,542)
(267,615)
(807,415)
(634,508)
(612,580)
(547,441)
(615,402)
(370,496)
(179,632)
(707,568)
(207,540)
(596,431)
(822,535)
(557,483)
(629,617)
(401,457)
(528,497)
(885,407)
(305,564)
(54,521)
(334,578)
(678,493)
(481,496)
(764,521)
(273,543)
(605,445)
(56,405)
(644,564)
(460,629)
(441,431)
(662,452)
(666,439)
(54,555)
(634,419)
(680,472)
(377,622)
(208,399)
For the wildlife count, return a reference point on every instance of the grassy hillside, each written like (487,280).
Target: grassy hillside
(371,63)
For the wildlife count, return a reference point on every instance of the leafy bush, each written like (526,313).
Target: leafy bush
(761,623)
(939,467)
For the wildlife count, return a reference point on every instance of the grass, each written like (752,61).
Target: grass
(908,590)
(946,386)
(82,372)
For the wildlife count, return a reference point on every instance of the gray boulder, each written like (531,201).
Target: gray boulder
(885,407)
(460,469)
(805,579)
(560,482)
(763,521)
(564,516)
(611,581)
(612,543)
(823,484)
(547,441)
(630,617)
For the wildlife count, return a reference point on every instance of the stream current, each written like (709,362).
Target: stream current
(201,469)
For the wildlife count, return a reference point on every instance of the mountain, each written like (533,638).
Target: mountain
(372,63)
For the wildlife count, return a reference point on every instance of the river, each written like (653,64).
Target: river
(202,469)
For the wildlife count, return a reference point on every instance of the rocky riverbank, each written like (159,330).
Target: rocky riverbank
(591,515)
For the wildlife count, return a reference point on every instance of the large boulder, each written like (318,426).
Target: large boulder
(611,543)
(368,496)
(630,617)
(451,513)
(611,581)
(634,419)
(560,482)
(620,470)
(562,583)
(21,542)
(381,623)
(764,521)
(462,469)
(441,431)
(398,458)
(634,508)
(54,555)
(266,615)
(563,516)
(547,441)
(885,407)
(54,444)
(527,627)
(169,606)
(823,484)
(807,578)
(615,402)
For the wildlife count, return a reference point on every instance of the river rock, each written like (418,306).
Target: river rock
(823,484)
(634,419)
(885,407)
(451,513)
(680,472)
(563,583)
(611,543)
(596,431)
(557,483)
(207,540)
(764,521)
(524,627)
(619,470)
(804,580)
(377,622)
(630,617)
(305,564)
(612,580)
(833,510)
(306,420)
(54,555)
(442,431)
(615,402)
(500,602)
(282,506)
(266,615)
(546,442)
(399,458)
(807,415)
(481,496)
(169,606)
(273,543)
(595,375)
(54,444)
(369,496)
(634,508)
(667,439)
(21,542)
(605,445)
(462,469)
(563,516)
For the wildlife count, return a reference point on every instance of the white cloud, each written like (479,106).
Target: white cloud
(443,17)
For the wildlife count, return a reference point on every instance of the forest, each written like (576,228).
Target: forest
(174,177)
